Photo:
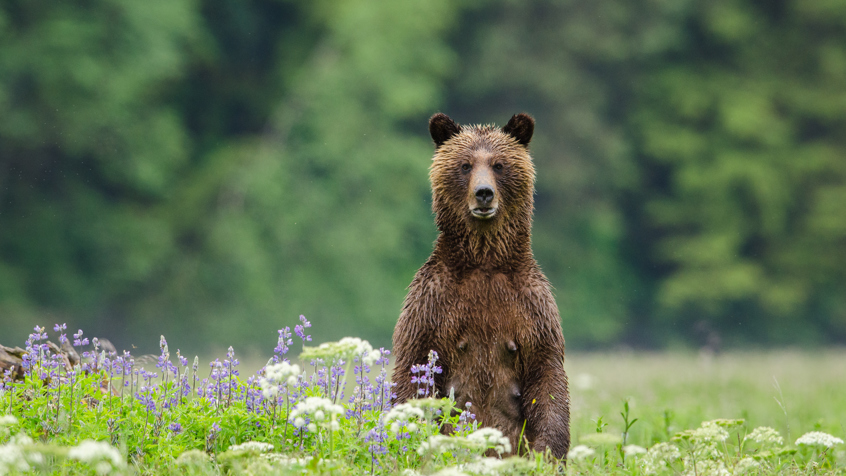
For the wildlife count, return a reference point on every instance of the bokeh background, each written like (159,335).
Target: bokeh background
(212,169)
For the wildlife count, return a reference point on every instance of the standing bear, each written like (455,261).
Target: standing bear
(481,301)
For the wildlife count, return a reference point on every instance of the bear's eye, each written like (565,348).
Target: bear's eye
(465,167)
(498,167)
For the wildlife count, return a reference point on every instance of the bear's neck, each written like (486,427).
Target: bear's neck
(506,248)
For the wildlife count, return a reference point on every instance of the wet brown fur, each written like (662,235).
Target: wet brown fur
(481,301)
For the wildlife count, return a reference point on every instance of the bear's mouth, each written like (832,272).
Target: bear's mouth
(483,213)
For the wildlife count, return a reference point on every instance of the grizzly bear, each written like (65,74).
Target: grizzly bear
(481,301)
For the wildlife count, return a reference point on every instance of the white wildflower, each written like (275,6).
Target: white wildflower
(12,459)
(276,375)
(746,465)
(439,444)
(765,436)
(710,431)
(252,446)
(192,458)
(322,411)
(8,420)
(450,471)
(432,406)
(346,348)
(104,456)
(580,452)
(704,467)
(659,457)
(633,450)
(403,415)
(490,438)
(484,466)
(818,438)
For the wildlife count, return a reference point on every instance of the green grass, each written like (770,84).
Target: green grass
(665,398)
(793,392)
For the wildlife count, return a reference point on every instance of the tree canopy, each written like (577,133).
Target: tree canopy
(212,170)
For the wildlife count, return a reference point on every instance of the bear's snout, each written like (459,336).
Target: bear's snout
(484,195)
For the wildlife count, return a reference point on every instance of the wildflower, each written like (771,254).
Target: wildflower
(580,452)
(17,455)
(252,446)
(705,467)
(633,450)
(344,349)
(175,427)
(403,415)
(746,465)
(78,340)
(104,456)
(659,457)
(709,432)
(192,458)
(434,406)
(818,438)
(321,410)
(8,420)
(490,438)
(765,435)
(450,471)
(278,374)
(439,444)
(496,466)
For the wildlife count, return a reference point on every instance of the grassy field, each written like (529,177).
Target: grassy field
(110,416)
(791,391)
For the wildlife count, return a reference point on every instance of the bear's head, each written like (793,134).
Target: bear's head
(482,176)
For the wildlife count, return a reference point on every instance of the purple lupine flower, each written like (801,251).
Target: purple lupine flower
(63,338)
(282,345)
(78,341)
(175,427)
(300,330)
(376,437)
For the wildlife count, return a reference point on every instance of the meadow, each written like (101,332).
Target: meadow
(327,409)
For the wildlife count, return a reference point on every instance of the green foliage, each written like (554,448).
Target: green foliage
(188,166)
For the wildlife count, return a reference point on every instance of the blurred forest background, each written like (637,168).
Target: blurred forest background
(212,169)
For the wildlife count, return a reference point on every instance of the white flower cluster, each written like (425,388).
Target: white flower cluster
(346,348)
(480,440)
(276,375)
(705,467)
(490,438)
(403,415)
(709,432)
(16,457)
(580,452)
(494,466)
(8,420)
(818,438)
(659,457)
(321,411)
(746,465)
(765,435)
(634,450)
(192,458)
(252,446)
(103,456)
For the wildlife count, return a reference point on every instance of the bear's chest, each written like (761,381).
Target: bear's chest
(487,308)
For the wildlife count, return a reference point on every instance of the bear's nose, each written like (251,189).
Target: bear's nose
(484,195)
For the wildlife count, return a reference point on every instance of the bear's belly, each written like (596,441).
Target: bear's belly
(481,349)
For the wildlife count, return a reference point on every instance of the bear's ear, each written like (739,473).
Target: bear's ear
(521,127)
(442,128)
